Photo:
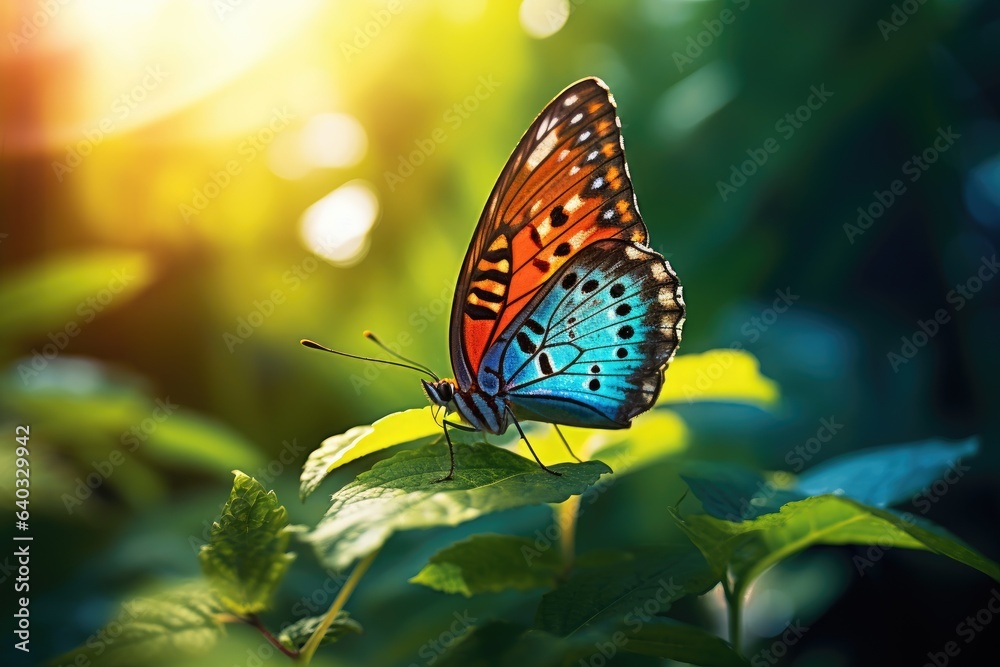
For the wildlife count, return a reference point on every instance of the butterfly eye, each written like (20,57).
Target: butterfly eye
(446,391)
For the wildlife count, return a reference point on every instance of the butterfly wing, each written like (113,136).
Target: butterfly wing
(565,187)
(591,346)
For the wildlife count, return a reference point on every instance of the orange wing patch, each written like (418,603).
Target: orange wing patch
(565,187)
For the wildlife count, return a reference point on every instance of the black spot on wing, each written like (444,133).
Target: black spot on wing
(536,237)
(525,343)
(544,363)
(558,217)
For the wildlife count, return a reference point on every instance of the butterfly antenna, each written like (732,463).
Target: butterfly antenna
(316,346)
(373,338)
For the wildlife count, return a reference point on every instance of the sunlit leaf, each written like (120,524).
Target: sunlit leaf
(61,296)
(298,633)
(400,493)
(648,584)
(408,427)
(489,563)
(245,558)
(653,436)
(719,376)
(177,624)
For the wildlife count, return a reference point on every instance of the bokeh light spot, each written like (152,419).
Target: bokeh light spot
(543,18)
(337,227)
(693,99)
(333,140)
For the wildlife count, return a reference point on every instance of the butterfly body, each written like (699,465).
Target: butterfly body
(483,411)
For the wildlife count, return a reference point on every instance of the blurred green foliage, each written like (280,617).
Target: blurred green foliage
(115,307)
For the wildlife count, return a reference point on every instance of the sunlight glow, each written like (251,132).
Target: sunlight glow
(694,99)
(333,140)
(543,18)
(337,227)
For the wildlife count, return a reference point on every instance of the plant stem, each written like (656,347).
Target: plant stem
(734,607)
(306,654)
(257,623)
(566,513)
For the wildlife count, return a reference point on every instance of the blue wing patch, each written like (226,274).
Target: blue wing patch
(590,348)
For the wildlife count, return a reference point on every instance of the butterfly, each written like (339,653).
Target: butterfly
(562,314)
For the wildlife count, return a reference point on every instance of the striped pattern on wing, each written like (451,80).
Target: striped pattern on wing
(565,187)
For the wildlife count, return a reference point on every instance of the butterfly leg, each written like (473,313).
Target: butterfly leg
(568,448)
(525,438)
(451,449)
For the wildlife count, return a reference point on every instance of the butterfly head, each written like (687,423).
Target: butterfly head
(440,392)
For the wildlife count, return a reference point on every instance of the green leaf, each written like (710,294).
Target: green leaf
(734,492)
(177,624)
(298,633)
(407,427)
(718,376)
(186,438)
(400,493)
(748,548)
(878,476)
(620,592)
(936,539)
(883,476)
(245,557)
(62,295)
(667,638)
(494,644)
(503,644)
(490,563)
